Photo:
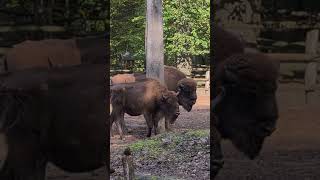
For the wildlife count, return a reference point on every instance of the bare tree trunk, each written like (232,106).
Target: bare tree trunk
(154,44)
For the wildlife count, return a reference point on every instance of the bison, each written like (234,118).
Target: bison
(149,98)
(58,116)
(175,80)
(243,100)
(51,53)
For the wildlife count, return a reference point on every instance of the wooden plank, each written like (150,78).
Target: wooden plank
(45,28)
(3,50)
(311,70)
(292,57)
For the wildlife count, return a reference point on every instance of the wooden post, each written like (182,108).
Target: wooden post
(154,40)
(154,44)
(311,69)
(127,163)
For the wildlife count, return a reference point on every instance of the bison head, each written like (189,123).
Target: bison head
(247,113)
(187,93)
(170,105)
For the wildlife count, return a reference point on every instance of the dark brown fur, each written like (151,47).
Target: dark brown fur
(175,80)
(248,112)
(149,98)
(61,119)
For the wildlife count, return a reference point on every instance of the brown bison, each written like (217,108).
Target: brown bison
(149,98)
(57,115)
(243,100)
(50,53)
(175,80)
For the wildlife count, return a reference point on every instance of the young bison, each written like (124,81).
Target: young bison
(149,98)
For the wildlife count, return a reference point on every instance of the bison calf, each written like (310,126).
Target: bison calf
(149,98)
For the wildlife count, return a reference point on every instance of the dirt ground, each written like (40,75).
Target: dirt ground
(197,119)
(291,153)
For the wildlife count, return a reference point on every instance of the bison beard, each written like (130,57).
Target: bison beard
(245,104)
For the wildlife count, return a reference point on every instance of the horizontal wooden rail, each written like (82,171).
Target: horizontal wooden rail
(293,57)
(46,28)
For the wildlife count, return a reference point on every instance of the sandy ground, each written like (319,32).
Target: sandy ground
(291,153)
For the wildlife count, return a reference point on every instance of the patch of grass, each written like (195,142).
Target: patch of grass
(198,133)
(155,145)
(152,146)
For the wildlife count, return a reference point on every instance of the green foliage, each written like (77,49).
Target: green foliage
(186,29)
(127,30)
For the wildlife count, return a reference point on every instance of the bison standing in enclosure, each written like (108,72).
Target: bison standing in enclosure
(175,80)
(148,98)
(243,101)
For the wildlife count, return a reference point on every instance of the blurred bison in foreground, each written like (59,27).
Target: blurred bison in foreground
(149,98)
(243,102)
(56,115)
(174,79)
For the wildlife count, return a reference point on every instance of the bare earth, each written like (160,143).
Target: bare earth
(198,118)
(291,153)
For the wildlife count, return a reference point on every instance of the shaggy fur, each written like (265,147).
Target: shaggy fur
(149,98)
(244,87)
(59,117)
(248,112)
(225,44)
(175,80)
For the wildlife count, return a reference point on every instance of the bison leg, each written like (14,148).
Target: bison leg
(117,117)
(123,125)
(167,125)
(149,120)
(216,160)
